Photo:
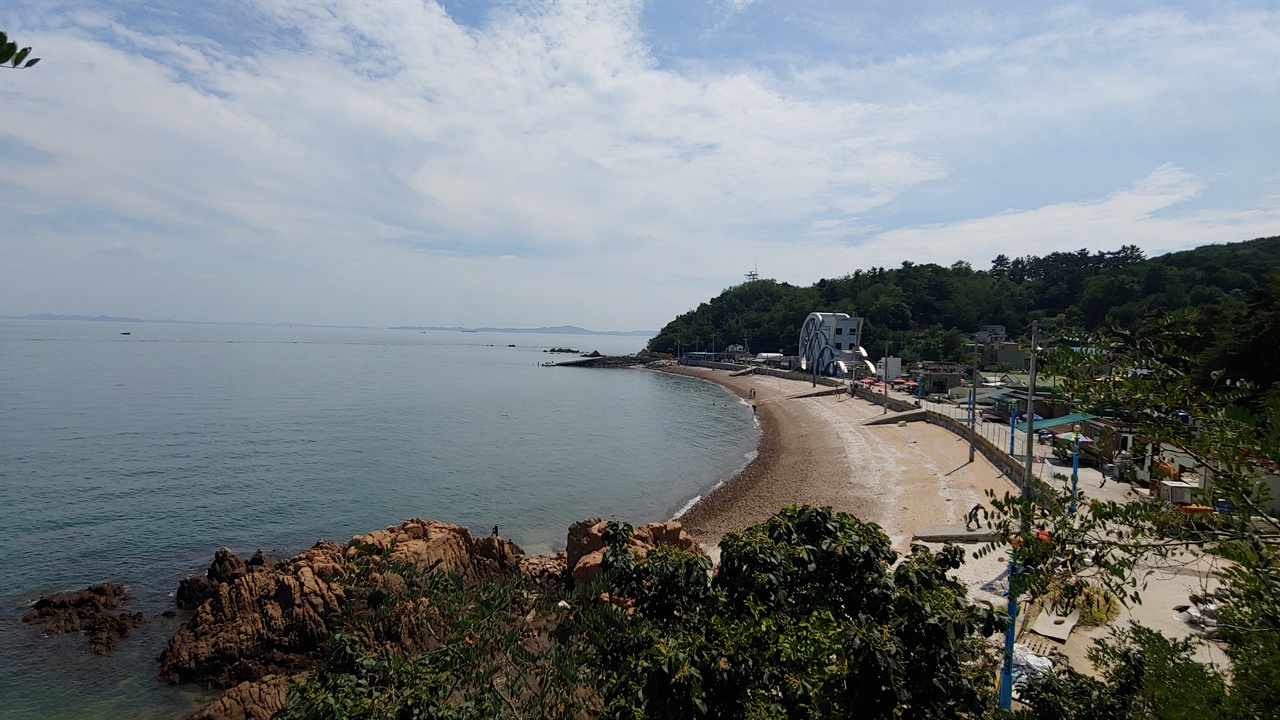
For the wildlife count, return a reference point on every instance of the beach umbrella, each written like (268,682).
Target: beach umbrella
(1070,437)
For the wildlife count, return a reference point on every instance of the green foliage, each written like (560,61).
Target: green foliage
(1144,675)
(806,618)
(1249,624)
(13,58)
(427,645)
(929,312)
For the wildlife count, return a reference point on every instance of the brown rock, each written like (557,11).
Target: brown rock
(275,620)
(585,544)
(502,552)
(86,611)
(267,621)
(588,568)
(227,567)
(585,537)
(256,700)
(546,570)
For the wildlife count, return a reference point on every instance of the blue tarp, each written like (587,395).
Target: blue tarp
(1054,422)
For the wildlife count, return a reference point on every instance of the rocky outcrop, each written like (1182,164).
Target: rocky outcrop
(546,570)
(255,620)
(227,567)
(87,611)
(257,700)
(586,546)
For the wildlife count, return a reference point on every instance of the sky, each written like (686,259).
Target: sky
(605,164)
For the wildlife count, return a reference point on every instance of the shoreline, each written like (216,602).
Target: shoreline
(816,451)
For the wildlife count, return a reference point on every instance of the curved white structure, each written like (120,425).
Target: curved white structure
(830,343)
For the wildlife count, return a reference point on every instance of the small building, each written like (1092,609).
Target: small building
(1004,353)
(940,378)
(893,369)
(988,334)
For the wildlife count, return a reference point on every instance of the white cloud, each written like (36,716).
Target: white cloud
(376,162)
(1143,214)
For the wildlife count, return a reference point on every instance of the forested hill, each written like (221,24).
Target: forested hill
(930,312)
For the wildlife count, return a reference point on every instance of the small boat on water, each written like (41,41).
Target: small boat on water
(125,333)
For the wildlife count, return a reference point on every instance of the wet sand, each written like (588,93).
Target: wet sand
(816,451)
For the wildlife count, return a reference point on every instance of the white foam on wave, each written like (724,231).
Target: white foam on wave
(748,456)
(688,506)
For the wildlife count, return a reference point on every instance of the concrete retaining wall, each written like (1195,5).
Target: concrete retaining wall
(1011,467)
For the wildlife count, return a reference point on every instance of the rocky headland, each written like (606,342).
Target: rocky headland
(257,624)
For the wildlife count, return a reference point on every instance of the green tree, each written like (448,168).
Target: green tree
(807,617)
(1232,430)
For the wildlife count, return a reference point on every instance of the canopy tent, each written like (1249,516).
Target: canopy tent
(1054,422)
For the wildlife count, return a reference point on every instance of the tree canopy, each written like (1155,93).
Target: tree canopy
(929,312)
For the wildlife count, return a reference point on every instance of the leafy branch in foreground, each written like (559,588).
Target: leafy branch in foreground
(807,617)
(11,57)
(1231,430)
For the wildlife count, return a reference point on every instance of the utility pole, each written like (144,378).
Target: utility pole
(973,401)
(1006,672)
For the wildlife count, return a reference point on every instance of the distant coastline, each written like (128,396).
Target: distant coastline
(556,330)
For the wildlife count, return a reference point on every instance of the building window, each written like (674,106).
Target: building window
(838,346)
(839,331)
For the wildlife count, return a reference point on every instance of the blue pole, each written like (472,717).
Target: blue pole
(1075,468)
(1013,425)
(1006,670)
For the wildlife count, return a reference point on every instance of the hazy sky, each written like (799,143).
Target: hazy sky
(605,164)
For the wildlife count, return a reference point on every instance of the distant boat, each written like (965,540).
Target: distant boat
(126,333)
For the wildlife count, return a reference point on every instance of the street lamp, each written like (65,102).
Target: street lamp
(1075,464)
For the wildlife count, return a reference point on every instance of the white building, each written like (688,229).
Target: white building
(893,371)
(831,343)
(990,334)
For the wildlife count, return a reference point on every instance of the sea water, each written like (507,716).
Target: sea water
(129,452)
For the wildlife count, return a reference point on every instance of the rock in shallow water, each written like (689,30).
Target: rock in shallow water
(87,611)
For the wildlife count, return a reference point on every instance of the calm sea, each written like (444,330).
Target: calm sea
(131,458)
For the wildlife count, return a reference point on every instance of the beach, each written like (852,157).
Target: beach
(816,451)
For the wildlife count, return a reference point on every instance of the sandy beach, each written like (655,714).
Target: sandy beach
(815,450)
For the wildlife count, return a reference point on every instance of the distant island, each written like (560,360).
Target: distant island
(557,330)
